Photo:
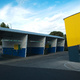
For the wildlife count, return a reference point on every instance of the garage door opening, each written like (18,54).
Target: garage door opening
(11,47)
(13,43)
(35,45)
(50,46)
(60,45)
(1,51)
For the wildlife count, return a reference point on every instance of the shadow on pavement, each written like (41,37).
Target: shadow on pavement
(26,73)
(8,57)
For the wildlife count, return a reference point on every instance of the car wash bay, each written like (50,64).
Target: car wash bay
(35,45)
(13,43)
(50,46)
(60,45)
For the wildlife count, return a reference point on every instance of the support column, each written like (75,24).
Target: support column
(23,50)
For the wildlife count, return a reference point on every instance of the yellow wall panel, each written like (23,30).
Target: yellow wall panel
(47,46)
(72,26)
(16,46)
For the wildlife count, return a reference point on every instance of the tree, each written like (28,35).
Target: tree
(4,25)
(66,48)
(65,40)
(57,33)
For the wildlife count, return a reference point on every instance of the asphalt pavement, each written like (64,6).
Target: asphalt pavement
(27,73)
(51,61)
(55,66)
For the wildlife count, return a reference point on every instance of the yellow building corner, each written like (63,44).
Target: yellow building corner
(72,26)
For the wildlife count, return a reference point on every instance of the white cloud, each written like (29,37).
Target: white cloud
(43,21)
(14,15)
(3,12)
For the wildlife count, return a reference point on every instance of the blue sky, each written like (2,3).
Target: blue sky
(42,16)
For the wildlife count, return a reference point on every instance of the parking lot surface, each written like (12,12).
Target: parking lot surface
(55,66)
(40,67)
(59,60)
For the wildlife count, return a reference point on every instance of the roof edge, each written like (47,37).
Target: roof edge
(71,15)
(31,33)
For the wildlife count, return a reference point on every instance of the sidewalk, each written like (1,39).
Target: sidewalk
(72,65)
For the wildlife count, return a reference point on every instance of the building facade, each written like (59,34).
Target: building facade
(23,43)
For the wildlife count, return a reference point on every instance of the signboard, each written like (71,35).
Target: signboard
(16,46)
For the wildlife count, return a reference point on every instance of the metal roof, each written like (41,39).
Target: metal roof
(26,32)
